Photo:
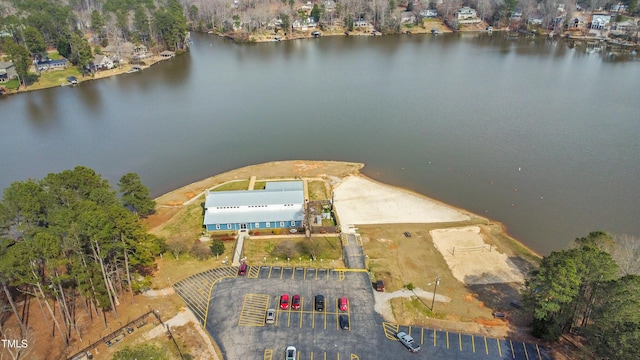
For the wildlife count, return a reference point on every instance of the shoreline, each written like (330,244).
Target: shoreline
(176,198)
(103,74)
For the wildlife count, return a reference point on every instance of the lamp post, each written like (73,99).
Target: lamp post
(435,287)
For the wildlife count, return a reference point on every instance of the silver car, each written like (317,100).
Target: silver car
(290,353)
(271,316)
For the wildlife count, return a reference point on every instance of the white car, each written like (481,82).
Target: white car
(408,341)
(271,316)
(290,353)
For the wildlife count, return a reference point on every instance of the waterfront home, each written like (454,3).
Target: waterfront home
(48,64)
(407,17)
(101,62)
(126,50)
(619,8)
(578,22)
(167,54)
(624,26)
(7,71)
(429,13)
(466,13)
(279,205)
(600,22)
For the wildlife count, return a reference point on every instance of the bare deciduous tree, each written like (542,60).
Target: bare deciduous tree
(626,252)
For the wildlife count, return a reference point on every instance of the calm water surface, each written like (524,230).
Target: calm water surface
(534,134)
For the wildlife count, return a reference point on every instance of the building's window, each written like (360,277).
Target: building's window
(281,223)
(217,226)
(293,223)
(257,225)
(228,226)
(268,224)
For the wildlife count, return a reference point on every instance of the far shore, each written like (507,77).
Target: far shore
(124,69)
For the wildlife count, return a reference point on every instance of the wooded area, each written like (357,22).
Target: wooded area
(592,291)
(69,242)
(78,29)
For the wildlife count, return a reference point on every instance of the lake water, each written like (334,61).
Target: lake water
(539,136)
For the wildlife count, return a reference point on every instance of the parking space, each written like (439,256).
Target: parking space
(465,346)
(324,355)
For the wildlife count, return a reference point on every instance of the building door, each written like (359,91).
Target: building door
(243,226)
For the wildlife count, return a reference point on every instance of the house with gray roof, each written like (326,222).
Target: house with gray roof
(7,71)
(279,205)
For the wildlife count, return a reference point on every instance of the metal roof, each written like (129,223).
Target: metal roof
(253,215)
(283,192)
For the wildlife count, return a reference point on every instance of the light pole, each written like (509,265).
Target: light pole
(435,287)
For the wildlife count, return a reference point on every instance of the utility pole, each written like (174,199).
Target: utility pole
(434,291)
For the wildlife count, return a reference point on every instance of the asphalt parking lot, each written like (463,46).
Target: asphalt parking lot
(236,313)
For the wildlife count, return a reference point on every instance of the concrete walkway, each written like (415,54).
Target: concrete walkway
(237,251)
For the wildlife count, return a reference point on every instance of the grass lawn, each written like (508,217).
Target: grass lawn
(328,251)
(317,190)
(233,185)
(53,78)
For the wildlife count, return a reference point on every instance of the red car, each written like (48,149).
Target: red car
(295,302)
(343,304)
(284,302)
(243,269)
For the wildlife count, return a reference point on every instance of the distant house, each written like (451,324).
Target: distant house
(279,205)
(624,26)
(619,8)
(516,15)
(600,22)
(101,62)
(330,5)
(167,54)
(126,51)
(306,24)
(466,13)
(429,13)
(7,71)
(407,17)
(361,23)
(578,22)
(48,64)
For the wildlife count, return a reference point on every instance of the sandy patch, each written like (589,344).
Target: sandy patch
(383,307)
(482,265)
(359,200)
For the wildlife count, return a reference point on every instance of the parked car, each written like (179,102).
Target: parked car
(290,353)
(407,234)
(243,269)
(284,302)
(343,320)
(271,316)
(379,285)
(408,341)
(343,304)
(319,303)
(295,302)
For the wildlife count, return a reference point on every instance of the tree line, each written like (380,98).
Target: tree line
(71,244)
(591,290)
(384,15)
(77,29)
